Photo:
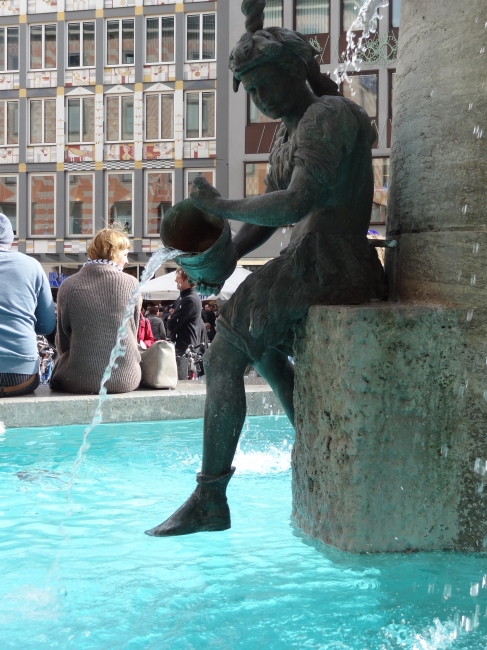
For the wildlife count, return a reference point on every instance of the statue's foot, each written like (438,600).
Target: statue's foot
(206,510)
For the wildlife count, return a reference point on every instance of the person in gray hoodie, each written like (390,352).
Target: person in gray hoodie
(26,309)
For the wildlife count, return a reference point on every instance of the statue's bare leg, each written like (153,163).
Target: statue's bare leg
(278,371)
(207,508)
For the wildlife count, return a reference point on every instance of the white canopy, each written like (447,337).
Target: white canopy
(164,287)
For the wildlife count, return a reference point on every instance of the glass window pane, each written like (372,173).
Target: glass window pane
(80,217)
(167,117)
(8,199)
(36,47)
(2,48)
(74,131)
(158,200)
(12,122)
(208,115)
(120,200)
(152,41)
(2,123)
(207,175)
(381,184)
(13,48)
(152,117)
(365,88)
(209,36)
(255,116)
(395,12)
(112,118)
(50,120)
(89,44)
(127,117)
(351,10)
(127,42)
(193,38)
(167,39)
(88,119)
(35,121)
(50,46)
(192,115)
(42,205)
(392,89)
(273,14)
(313,16)
(74,45)
(255,174)
(113,42)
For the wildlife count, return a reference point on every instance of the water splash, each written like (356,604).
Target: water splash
(366,20)
(158,258)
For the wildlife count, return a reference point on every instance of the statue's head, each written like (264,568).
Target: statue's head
(278,47)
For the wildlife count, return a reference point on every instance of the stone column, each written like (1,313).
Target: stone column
(391,399)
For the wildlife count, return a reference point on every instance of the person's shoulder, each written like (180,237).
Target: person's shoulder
(25,262)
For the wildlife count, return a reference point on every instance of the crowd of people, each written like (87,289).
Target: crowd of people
(89,311)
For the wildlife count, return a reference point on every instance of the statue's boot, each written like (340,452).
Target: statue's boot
(206,510)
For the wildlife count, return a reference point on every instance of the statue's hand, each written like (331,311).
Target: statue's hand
(203,194)
(208,289)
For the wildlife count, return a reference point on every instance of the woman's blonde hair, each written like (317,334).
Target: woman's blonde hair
(106,243)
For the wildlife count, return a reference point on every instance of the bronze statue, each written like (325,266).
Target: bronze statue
(320,179)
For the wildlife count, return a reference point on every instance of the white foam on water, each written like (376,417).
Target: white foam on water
(273,460)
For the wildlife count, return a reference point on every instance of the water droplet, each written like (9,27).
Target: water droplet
(475,248)
(482,50)
(459,276)
(480,488)
(446,592)
(470,106)
(484,581)
(474,589)
(469,315)
(431,93)
(431,588)
(464,208)
(444,450)
(473,280)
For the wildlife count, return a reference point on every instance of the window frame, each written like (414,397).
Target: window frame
(252,162)
(30,176)
(159,139)
(364,73)
(68,176)
(200,114)
(159,17)
(5,29)
(43,67)
(146,192)
(120,47)
(198,170)
(118,172)
(382,157)
(81,66)
(43,143)
(267,121)
(81,123)
(201,14)
(7,101)
(330,9)
(105,130)
(16,176)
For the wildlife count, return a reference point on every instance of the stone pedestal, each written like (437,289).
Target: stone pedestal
(390,434)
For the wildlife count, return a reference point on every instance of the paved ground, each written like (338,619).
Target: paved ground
(49,408)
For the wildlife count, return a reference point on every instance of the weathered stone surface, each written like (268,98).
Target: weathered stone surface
(390,419)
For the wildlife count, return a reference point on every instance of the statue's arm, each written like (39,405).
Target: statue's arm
(250,236)
(274,210)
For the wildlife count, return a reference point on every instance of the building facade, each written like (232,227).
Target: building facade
(109,108)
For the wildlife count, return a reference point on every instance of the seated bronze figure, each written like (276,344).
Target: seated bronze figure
(320,179)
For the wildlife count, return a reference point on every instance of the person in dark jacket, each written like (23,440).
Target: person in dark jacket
(158,329)
(185,325)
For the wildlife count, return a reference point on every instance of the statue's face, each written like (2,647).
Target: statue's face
(272,89)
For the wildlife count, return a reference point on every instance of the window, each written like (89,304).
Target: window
(350,11)
(159,44)
(80,204)
(255,174)
(9,48)
(200,115)
(8,199)
(273,14)
(81,45)
(159,117)
(392,87)
(312,16)
(159,199)
(381,184)
(42,47)
(255,116)
(42,121)
(9,122)
(191,174)
(395,12)
(119,198)
(363,91)
(81,119)
(42,193)
(200,37)
(120,42)
(119,118)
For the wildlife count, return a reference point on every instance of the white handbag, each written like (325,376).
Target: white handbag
(158,365)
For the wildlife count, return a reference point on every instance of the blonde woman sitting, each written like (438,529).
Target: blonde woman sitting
(91,305)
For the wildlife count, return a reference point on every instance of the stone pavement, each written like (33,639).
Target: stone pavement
(45,407)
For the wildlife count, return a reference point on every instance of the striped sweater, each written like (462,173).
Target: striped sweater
(91,305)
